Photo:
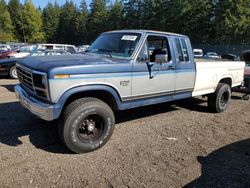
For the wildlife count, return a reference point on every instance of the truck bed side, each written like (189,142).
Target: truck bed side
(209,74)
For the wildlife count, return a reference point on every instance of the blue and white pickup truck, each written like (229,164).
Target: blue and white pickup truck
(121,70)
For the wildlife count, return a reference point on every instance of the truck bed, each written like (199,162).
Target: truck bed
(209,73)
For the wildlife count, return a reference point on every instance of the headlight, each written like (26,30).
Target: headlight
(40,80)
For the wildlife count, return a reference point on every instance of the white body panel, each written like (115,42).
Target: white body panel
(60,86)
(162,82)
(208,75)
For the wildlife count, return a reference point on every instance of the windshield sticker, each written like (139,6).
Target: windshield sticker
(129,37)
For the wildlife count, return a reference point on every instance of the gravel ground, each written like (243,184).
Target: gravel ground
(169,145)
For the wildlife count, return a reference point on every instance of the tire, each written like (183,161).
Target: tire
(219,100)
(13,73)
(245,97)
(86,125)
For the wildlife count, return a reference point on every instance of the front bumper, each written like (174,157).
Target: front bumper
(43,110)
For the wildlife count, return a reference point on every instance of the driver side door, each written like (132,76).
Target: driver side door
(149,78)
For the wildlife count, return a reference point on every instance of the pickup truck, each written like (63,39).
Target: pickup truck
(121,70)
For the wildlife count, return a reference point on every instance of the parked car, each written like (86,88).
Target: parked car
(82,48)
(212,55)
(70,48)
(198,53)
(246,57)
(5,47)
(8,67)
(117,73)
(50,52)
(18,52)
(231,57)
(23,51)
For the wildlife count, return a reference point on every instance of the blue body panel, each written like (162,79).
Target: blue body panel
(120,105)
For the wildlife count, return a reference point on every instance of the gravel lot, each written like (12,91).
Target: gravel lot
(168,145)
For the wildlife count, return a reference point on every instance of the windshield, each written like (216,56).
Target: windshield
(197,53)
(29,48)
(115,44)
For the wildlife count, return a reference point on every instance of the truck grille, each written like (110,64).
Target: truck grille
(25,78)
(32,82)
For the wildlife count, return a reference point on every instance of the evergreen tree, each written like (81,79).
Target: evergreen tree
(67,30)
(115,16)
(232,20)
(97,19)
(6,27)
(51,17)
(15,10)
(132,10)
(32,23)
(81,24)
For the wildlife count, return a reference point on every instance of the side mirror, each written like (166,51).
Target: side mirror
(161,58)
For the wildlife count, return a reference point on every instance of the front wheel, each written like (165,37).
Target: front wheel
(86,125)
(219,100)
(13,72)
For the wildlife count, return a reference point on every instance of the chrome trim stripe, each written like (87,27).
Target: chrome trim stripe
(156,94)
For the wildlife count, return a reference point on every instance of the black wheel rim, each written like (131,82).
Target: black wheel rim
(90,129)
(224,99)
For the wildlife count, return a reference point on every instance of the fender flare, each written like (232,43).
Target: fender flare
(79,89)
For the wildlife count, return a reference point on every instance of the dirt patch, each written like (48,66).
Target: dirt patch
(168,145)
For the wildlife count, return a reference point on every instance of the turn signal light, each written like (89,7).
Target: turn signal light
(60,76)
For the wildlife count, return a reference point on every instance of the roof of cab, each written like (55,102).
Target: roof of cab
(146,31)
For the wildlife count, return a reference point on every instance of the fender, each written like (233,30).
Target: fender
(59,105)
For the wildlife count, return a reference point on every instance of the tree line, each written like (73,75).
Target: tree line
(204,21)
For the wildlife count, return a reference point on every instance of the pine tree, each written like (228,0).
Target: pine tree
(81,24)
(132,10)
(67,30)
(97,19)
(115,16)
(6,27)
(32,23)
(232,20)
(51,17)
(15,10)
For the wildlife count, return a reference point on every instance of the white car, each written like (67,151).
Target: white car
(198,53)
(212,55)
(4,47)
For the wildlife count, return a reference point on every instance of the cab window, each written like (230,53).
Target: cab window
(182,50)
(154,45)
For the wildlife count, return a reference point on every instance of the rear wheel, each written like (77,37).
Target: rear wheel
(13,72)
(86,125)
(219,100)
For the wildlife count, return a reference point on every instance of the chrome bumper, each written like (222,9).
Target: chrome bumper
(40,109)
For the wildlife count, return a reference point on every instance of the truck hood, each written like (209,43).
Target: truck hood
(46,63)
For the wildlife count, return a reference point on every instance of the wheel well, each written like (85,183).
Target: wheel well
(100,94)
(226,81)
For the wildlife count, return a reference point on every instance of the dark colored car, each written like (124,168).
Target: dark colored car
(230,57)
(5,54)
(8,67)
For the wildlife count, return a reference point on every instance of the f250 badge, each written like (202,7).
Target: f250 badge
(124,83)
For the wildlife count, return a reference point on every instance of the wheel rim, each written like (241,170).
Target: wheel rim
(90,129)
(224,99)
(14,73)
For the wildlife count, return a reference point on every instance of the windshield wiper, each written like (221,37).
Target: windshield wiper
(106,50)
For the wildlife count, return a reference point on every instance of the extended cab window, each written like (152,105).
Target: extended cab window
(182,50)
(154,45)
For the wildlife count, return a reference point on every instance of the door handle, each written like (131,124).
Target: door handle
(171,67)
